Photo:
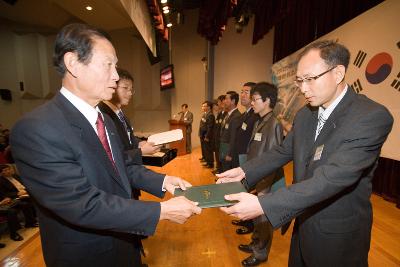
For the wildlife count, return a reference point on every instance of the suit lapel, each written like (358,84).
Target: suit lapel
(88,136)
(332,122)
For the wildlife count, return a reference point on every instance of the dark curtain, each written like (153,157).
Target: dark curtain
(386,181)
(311,19)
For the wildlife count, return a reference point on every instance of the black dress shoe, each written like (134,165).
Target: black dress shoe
(252,261)
(246,248)
(244,230)
(209,166)
(2,245)
(246,223)
(16,237)
(32,225)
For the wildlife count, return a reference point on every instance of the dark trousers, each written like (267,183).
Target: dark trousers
(12,219)
(208,152)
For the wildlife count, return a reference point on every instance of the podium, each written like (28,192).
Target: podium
(179,145)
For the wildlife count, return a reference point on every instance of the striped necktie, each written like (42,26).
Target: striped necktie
(321,122)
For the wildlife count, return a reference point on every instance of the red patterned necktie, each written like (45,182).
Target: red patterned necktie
(101,132)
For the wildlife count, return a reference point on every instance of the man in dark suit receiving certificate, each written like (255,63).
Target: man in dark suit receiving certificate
(72,163)
(335,143)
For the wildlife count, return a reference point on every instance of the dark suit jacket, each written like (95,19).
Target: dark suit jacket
(243,127)
(330,197)
(207,125)
(228,129)
(187,119)
(133,147)
(84,205)
(217,129)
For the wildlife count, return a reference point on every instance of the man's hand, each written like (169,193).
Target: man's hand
(228,158)
(172,182)
(5,201)
(248,207)
(206,139)
(232,175)
(148,148)
(178,209)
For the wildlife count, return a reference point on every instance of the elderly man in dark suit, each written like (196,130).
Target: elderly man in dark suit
(206,134)
(73,164)
(335,143)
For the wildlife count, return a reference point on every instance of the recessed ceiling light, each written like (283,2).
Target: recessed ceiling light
(163,1)
(166,11)
(169,25)
(165,7)
(89,8)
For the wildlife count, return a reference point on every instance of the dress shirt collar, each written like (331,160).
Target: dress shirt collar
(230,112)
(87,110)
(327,112)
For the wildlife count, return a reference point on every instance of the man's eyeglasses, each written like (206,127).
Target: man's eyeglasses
(307,80)
(128,89)
(255,99)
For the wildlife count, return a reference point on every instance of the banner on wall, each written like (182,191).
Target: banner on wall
(374,68)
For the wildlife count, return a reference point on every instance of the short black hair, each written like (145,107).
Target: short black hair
(124,75)
(77,38)
(221,98)
(233,95)
(266,90)
(184,105)
(209,103)
(250,84)
(331,52)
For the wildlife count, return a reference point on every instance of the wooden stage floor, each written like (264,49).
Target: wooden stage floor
(210,240)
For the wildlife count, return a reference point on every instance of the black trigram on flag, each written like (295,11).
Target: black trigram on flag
(359,58)
(396,82)
(356,86)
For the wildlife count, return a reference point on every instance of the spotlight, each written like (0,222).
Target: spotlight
(89,8)
(165,7)
(164,1)
(169,24)
(166,11)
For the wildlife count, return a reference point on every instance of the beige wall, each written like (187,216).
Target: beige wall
(238,61)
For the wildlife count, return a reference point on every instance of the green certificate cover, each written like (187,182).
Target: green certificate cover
(212,195)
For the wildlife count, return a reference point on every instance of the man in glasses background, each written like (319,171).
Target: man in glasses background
(335,143)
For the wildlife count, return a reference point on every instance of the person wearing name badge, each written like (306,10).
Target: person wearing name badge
(217,130)
(335,143)
(266,133)
(187,117)
(202,123)
(232,113)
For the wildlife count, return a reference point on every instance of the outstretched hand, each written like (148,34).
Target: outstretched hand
(247,208)
(172,182)
(232,175)
(178,209)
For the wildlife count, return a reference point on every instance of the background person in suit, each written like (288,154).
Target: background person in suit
(227,157)
(217,130)
(334,143)
(187,117)
(239,141)
(121,97)
(267,132)
(113,107)
(206,134)
(73,164)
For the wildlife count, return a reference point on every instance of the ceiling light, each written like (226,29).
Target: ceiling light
(89,8)
(166,11)
(163,1)
(169,24)
(165,7)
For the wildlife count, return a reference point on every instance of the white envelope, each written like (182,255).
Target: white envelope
(166,137)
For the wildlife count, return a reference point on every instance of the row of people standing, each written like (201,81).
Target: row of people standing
(236,137)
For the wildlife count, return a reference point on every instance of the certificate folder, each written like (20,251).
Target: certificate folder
(212,195)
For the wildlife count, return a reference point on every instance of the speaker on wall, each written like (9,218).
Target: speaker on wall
(5,94)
